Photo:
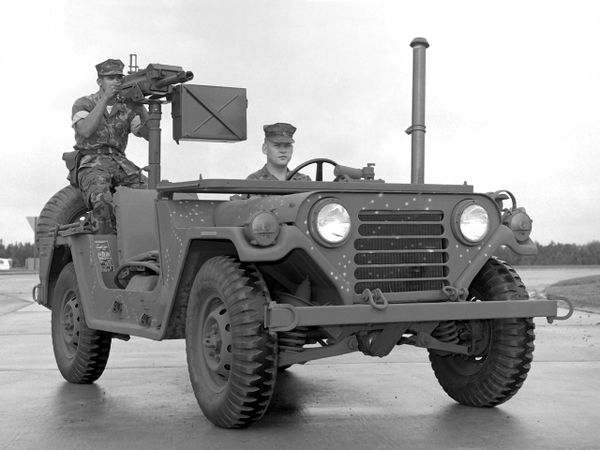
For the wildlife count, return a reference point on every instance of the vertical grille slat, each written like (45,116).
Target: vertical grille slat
(400,251)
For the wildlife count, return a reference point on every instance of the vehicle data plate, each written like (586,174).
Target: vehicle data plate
(104,256)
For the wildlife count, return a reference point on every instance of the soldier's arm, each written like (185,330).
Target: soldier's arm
(89,124)
(138,124)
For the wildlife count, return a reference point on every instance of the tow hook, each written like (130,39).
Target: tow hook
(375,298)
(563,299)
(455,294)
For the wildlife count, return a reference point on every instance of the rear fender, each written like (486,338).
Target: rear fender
(52,260)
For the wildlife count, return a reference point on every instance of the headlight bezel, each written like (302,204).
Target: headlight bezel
(313,223)
(460,211)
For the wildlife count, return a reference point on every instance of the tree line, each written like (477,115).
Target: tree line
(18,252)
(553,254)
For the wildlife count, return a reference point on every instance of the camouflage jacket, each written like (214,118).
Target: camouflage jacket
(113,132)
(264,174)
(114,127)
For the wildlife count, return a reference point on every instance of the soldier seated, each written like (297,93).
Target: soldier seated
(102,124)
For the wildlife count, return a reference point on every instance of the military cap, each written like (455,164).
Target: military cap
(280,132)
(110,67)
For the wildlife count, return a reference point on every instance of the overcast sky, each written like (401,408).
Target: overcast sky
(513,92)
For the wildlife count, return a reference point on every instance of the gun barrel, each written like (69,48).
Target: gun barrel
(180,77)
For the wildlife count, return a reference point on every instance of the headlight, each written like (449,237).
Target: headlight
(471,222)
(330,223)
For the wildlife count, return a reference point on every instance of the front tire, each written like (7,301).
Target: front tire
(503,348)
(232,359)
(80,352)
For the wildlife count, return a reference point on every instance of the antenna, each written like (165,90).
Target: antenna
(133,67)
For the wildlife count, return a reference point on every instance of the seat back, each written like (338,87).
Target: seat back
(137,229)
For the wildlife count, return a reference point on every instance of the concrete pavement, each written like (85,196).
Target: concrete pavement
(144,399)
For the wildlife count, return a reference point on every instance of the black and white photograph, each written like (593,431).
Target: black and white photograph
(328,224)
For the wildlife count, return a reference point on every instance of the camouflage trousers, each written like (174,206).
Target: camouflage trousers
(97,181)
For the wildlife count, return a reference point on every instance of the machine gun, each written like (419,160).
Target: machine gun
(154,82)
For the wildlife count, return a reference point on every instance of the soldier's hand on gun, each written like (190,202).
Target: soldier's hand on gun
(112,91)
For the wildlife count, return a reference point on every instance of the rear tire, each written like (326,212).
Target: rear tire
(232,359)
(80,352)
(503,353)
(66,206)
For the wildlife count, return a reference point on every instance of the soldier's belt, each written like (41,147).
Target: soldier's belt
(101,151)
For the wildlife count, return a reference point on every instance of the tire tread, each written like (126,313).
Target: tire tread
(509,360)
(254,368)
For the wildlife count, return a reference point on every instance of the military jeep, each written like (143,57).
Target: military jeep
(285,272)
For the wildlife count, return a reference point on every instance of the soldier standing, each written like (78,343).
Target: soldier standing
(278,146)
(102,125)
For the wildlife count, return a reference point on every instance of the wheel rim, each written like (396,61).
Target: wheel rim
(216,341)
(70,322)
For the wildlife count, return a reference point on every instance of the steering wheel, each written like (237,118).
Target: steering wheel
(318,161)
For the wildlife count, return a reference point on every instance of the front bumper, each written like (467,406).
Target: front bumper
(284,317)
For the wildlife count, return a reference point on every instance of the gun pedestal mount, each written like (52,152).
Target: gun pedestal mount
(149,86)
(153,124)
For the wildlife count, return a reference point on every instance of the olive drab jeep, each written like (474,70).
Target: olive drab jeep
(285,272)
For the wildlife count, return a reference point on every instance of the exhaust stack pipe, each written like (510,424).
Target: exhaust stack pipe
(417,129)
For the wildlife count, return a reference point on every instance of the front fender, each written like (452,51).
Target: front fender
(502,236)
(238,212)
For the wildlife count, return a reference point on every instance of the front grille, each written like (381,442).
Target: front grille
(399,243)
(400,251)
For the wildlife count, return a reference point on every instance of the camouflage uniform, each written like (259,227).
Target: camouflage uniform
(264,174)
(103,164)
